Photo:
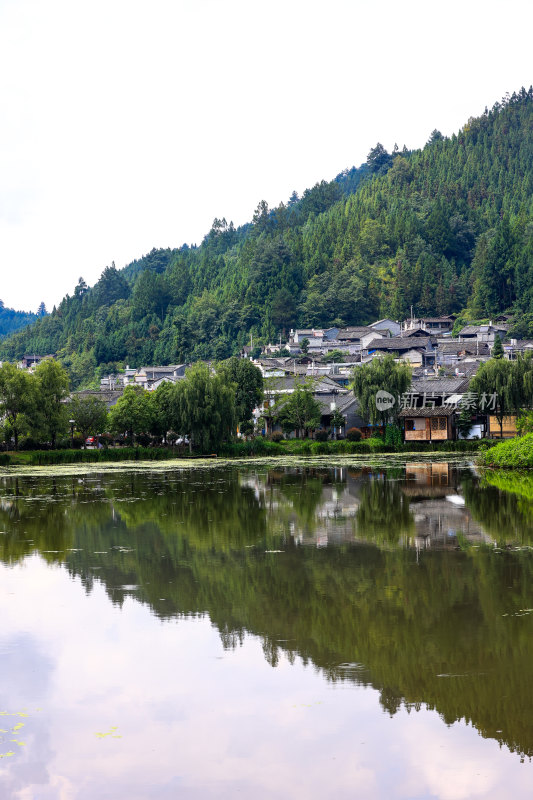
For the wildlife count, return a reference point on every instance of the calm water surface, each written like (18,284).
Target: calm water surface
(267,632)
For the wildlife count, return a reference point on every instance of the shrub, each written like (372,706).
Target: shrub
(321,435)
(246,428)
(354,435)
(277,436)
(319,448)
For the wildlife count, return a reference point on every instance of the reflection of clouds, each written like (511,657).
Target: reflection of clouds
(452,764)
(26,673)
(197,721)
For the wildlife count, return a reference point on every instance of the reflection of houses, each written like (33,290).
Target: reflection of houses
(441,522)
(428,480)
(439,510)
(331,514)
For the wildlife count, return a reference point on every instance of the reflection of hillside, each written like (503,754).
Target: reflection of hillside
(427,630)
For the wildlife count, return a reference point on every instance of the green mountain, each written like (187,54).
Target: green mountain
(12,321)
(445,228)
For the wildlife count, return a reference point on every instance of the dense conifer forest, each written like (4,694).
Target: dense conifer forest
(448,228)
(12,321)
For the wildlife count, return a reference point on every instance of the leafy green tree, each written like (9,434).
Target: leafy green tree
(464,421)
(204,407)
(112,286)
(50,412)
(132,412)
(334,357)
(305,345)
(338,421)
(497,350)
(499,387)
(248,381)
(283,309)
(17,394)
(300,412)
(379,159)
(162,411)
(89,414)
(382,374)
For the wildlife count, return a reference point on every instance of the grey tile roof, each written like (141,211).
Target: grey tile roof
(397,343)
(440,385)
(443,411)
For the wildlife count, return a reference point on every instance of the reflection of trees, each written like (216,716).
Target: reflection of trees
(383,514)
(503,504)
(433,632)
(304,490)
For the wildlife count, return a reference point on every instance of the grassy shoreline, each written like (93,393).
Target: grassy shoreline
(514,453)
(231,451)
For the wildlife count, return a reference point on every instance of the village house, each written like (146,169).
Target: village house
(433,326)
(428,424)
(29,362)
(508,429)
(418,352)
(147,377)
(484,333)
(387,327)
(430,409)
(325,391)
(453,351)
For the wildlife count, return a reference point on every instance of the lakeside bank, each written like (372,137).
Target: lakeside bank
(237,450)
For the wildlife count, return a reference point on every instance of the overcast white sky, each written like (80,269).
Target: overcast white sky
(127,125)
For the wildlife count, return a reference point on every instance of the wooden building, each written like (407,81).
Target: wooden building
(428,424)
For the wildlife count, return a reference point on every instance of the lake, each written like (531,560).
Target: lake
(266,631)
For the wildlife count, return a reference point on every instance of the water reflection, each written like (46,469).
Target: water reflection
(416,581)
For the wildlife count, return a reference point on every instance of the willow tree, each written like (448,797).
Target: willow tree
(204,407)
(379,386)
(499,385)
(16,397)
(52,386)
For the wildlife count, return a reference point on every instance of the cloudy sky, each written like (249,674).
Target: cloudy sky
(127,125)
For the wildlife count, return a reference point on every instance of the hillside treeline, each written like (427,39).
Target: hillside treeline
(442,229)
(12,321)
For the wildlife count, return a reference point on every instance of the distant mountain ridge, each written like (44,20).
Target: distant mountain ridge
(12,321)
(448,228)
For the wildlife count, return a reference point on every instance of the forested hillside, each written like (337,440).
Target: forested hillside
(12,321)
(445,228)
